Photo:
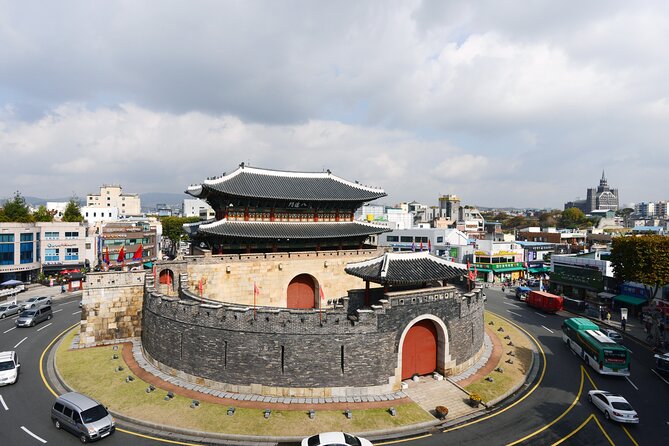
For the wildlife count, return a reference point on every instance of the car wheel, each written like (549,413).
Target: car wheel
(606,415)
(32,324)
(48,317)
(83,438)
(56,423)
(3,316)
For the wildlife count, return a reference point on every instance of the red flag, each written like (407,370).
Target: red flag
(320,307)
(200,287)
(121,255)
(429,245)
(256,291)
(470,273)
(138,254)
(476,273)
(421,246)
(106,259)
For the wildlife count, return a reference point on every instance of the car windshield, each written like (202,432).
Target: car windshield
(351,440)
(32,299)
(7,365)
(27,313)
(94,414)
(3,308)
(621,405)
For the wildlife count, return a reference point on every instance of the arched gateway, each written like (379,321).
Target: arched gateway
(419,349)
(301,292)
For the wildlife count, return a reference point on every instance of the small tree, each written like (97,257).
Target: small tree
(16,210)
(572,218)
(72,211)
(42,214)
(173,229)
(643,259)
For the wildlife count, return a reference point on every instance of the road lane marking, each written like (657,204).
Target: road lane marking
(56,311)
(32,435)
(548,329)
(7,331)
(41,358)
(629,435)
(587,420)
(76,312)
(630,381)
(509,303)
(2,400)
(527,394)
(21,341)
(519,315)
(539,314)
(66,303)
(40,329)
(660,376)
(403,440)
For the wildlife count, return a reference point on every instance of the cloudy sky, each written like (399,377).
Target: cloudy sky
(504,103)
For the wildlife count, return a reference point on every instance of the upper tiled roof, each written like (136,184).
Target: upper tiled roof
(281,185)
(406,268)
(288,230)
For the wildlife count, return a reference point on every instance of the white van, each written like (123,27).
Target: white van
(9,368)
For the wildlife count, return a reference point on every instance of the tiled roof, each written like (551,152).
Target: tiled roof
(290,230)
(406,268)
(281,185)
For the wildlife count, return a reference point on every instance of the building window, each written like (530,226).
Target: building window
(440,240)
(71,253)
(27,250)
(6,251)
(406,239)
(71,235)
(51,235)
(393,238)
(52,255)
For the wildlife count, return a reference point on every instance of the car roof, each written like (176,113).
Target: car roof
(77,399)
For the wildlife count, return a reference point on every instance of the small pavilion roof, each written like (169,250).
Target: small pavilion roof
(412,268)
(283,185)
(286,230)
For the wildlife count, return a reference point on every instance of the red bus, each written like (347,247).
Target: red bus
(547,302)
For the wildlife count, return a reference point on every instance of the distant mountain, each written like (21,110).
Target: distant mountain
(36,201)
(151,199)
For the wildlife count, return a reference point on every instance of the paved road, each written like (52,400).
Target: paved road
(558,412)
(555,412)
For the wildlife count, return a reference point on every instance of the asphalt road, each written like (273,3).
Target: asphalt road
(555,411)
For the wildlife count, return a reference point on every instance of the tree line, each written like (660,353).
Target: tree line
(571,218)
(16,210)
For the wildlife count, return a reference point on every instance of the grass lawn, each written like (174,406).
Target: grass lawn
(513,373)
(92,371)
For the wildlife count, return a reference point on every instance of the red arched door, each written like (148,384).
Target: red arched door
(419,350)
(166,278)
(301,292)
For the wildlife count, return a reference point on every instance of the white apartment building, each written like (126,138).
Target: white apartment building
(112,196)
(95,215)
(194,207)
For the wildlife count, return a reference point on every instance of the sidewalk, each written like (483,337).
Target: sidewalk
(633,328)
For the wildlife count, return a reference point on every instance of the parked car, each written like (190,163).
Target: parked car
(30,318)
(83,416)
(613,335)
(335,439)
(9,368)
(8,310)
(615,407)
(35,302)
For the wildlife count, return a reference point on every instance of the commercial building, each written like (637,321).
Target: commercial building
(498,261)
(195,207)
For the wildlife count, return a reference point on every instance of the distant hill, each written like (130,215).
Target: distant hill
(151,199)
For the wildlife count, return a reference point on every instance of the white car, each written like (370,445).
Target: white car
(9,367)
(613,335)
(615,407)
(335,439)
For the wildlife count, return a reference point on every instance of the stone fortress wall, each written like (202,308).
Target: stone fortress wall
(111,307)
(230,278)
(307,353)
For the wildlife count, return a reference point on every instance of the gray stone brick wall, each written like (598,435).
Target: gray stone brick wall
(302,348)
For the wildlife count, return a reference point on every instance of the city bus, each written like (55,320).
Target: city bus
(603,354)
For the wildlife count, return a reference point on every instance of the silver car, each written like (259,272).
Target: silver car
(34,302)
(83,416)
(613,335)
(8,310)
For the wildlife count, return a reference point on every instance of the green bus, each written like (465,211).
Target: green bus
(604,355)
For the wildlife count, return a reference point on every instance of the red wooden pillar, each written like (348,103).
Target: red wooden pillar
(246,214)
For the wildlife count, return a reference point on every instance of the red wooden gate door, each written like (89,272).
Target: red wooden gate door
(419,350)
(301,292)
(166,277)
